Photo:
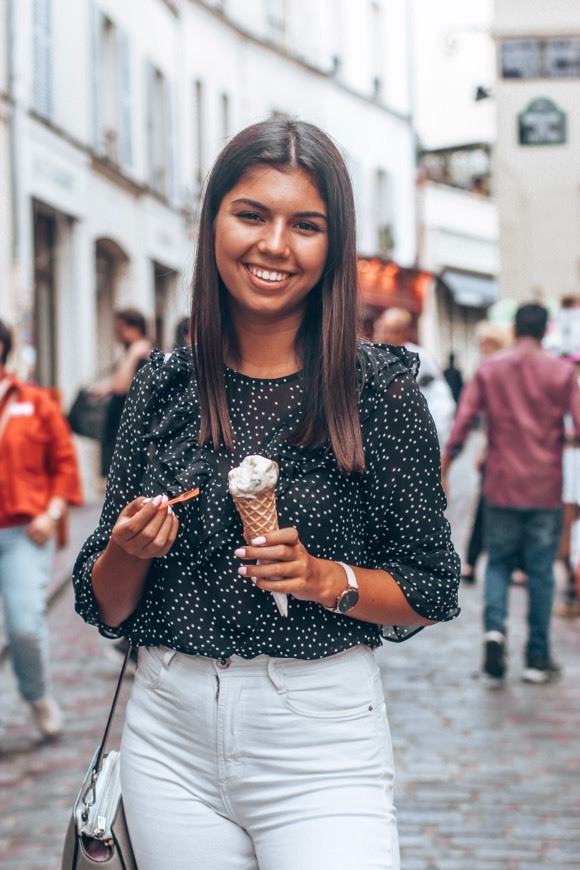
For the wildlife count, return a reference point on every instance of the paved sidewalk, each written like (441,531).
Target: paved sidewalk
(487,780)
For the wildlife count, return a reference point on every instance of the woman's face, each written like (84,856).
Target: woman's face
(271,241)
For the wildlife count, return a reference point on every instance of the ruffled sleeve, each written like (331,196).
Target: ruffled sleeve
(408,534)
(160,400)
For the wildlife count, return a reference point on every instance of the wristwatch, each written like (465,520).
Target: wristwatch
(55,513)
(347,599)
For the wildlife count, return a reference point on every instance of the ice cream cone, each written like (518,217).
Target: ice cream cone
(256,478)
(259,514)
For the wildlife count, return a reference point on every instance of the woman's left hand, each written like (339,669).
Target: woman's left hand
(41,529)
(285,566)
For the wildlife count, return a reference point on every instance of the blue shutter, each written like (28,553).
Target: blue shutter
(99,137)
(42,53)
(171,191)
(149,114)
(125,117)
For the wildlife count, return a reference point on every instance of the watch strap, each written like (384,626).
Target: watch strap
(351,582)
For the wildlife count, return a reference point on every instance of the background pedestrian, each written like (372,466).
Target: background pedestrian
(524,394)
(491,338)
(394,327)
(130,331)
(38,480)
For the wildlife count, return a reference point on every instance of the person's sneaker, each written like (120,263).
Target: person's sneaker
(48,717)
(541,671)
(568,610)
(494,666)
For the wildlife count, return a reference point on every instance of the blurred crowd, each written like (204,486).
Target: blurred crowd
(521,408)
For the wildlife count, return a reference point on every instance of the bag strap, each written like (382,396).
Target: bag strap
(103,744)
(89,796)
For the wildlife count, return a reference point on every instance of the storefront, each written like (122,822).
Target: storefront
(384,284)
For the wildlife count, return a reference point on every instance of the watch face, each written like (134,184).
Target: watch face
(347,600)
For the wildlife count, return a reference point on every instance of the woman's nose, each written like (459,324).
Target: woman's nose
(274,240)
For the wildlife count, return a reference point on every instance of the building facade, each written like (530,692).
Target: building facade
(537,166)
(457,223)
(111,112)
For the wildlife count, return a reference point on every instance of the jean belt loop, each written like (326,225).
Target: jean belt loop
(276,678)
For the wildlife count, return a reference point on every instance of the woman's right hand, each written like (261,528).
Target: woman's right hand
(146,529)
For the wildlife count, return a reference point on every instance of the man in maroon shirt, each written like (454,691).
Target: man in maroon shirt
(523,394)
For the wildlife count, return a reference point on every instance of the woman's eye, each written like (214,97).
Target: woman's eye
(308,227)
(249,215)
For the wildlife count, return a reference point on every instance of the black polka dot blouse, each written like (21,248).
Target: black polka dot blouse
(390,517)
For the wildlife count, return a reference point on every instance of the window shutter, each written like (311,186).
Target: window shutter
(125,117)
(149,114)
(171,143)
(42,50)
(99,133)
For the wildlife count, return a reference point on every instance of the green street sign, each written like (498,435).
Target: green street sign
(542,123)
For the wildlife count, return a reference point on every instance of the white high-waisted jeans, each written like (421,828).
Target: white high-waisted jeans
(259,764)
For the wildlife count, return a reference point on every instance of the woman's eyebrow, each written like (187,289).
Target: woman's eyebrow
(255,204)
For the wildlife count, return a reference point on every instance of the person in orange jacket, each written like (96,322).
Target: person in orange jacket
(39,478)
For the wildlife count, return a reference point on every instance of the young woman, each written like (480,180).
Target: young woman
(254,740)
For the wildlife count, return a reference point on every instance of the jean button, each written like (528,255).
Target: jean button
(224,663)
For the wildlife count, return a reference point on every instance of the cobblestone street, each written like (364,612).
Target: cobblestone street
(486,779)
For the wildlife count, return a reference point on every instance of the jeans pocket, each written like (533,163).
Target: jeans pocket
(338,690)
(150,668)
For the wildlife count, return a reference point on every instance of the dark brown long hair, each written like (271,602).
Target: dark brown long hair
(328,334)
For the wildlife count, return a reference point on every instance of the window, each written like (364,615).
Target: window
(112,92)
(160,133)
(562,58)
(276,19)
(42,54)
(199,143)
(383,213)
(225,116)
(377,47)
(540,58)
(45,296)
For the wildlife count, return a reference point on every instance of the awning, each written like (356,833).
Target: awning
(473,291)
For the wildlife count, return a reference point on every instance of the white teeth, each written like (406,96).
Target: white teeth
(268,276)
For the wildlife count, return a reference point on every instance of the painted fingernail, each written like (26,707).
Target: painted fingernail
(242,570)
(157,500)
(257,541)
(171,511)
(145,500)
(164,498)
(240,552)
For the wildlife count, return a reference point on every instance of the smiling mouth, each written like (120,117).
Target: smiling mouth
(266,275)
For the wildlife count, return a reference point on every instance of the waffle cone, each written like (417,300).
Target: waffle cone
(259,514)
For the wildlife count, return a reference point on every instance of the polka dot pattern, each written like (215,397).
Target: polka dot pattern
(390,517)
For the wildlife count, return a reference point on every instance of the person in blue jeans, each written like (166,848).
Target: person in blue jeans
(510,532)
(524,394)
(39,479)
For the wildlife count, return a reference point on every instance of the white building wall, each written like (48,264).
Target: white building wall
(461,229)
(6,216)
(538,185)
(453,55)
(349,74)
